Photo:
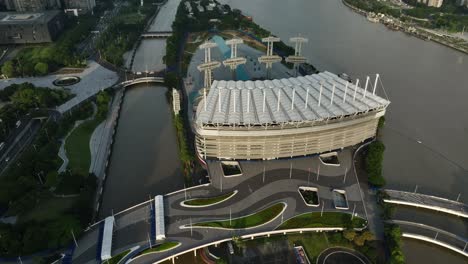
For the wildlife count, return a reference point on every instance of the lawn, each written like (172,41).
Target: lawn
(328,219)
(163,247)
(256,219)
(314,243)
(208,200)
(77,146)
(115,259)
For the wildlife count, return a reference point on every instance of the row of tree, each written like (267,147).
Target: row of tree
(21,99)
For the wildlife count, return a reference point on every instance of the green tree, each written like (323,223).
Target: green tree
(41,68)
(8,69)
(349,234)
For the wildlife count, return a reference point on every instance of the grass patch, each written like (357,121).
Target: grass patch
(247,221)
(208,200)
(77,146)
(163,247)
(328,219)
(315,243)
(117,258)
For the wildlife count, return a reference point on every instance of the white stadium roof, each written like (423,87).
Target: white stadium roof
(284,100)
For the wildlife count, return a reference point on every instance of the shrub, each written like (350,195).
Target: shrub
(373,163)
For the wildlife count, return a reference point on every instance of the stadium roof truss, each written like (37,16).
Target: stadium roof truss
(292,102)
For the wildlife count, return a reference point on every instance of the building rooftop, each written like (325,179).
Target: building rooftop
(17,18)
(285,101)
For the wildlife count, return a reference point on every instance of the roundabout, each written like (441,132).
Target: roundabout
(66,81)
(338,255)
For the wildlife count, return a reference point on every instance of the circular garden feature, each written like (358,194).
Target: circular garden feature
(67,81)
(339,255)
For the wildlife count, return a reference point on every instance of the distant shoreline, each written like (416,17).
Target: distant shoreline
(420,33)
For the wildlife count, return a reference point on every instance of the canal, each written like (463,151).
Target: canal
(144,160)
(426,130)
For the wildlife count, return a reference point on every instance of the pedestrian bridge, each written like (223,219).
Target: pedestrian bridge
(428,202)
(156,34)
(142,80)
(433,235)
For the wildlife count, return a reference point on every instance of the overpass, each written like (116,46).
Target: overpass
(428,202)
(433,235)
(157,34)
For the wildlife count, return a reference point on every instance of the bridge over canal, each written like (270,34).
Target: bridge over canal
(428,202)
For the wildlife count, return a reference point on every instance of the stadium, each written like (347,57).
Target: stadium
(284,118)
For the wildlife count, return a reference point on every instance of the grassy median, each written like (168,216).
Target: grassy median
(208,200)
(328,219)
(163,247)
(253,220)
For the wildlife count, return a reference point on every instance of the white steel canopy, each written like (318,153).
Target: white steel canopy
(309,98)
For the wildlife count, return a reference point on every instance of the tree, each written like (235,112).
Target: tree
(349,234)
(8,69)
(41,68)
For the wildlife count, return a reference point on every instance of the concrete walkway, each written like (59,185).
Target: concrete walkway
(62,151)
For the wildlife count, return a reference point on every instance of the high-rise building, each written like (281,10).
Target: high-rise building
(82,6)
(434,3)
(32,5)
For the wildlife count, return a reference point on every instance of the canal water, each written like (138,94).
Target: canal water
(427,122)
(144,160)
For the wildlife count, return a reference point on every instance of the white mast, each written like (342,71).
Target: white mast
(234,95)
(375,83)
(320,96)
(264,98)
(248,101)
(307,99)
(365,89)
(219,100)
(355,89)
(204,97)
(279,99)
(333,94)
(292,101)
(345,91)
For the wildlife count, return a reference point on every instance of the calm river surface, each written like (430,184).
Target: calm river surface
(426,83)
(144,159)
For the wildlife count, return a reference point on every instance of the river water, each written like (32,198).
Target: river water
(144,160)
(426,83)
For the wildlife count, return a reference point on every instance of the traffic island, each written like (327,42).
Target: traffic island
(310,196)
(249,221)
(326,219)
(67,81)
(208,201)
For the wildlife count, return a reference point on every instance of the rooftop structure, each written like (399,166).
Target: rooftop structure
(307,99)
(281,118)
(40,27)
(434,3)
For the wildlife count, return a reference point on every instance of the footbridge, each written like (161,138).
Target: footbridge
(142,80)
(157,34)
(428,202)
(433,235)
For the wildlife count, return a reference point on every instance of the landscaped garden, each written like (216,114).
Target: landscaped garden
(231,168)
(209,200)
(252,220)
(115,259)
(327,219)
(310,195)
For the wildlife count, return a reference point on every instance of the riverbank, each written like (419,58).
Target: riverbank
(395,24)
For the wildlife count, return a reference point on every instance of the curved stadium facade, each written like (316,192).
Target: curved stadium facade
(245,120)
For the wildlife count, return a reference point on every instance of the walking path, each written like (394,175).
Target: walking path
(62,151)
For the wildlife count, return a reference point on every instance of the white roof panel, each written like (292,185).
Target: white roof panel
(285,100)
